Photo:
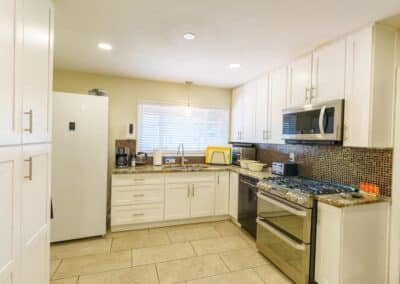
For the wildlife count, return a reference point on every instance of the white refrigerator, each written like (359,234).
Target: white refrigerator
(79,166)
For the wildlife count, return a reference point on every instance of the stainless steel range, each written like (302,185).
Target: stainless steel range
(286,222)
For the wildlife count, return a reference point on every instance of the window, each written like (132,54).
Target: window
(166,126)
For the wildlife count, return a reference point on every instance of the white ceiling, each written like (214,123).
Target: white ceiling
(147,35)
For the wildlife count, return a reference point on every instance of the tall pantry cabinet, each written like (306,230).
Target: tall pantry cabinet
(26,56)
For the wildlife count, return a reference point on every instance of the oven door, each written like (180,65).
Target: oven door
(314,122)
(292,257)
(247,214)
(292,219)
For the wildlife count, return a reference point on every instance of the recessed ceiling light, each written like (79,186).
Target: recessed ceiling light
(189,36)
(104,45)
(234,65)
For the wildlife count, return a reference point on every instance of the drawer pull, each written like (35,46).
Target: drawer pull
(138,214)
(138,195)
(139,179)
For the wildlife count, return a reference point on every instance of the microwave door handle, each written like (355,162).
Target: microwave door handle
(321,120)
(292,210)
(281,236)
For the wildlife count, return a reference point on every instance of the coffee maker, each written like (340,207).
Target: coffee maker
(122,157)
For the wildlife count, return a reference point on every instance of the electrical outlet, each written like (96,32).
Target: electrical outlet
(291,157)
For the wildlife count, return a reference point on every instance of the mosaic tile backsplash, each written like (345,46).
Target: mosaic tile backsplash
(337,164)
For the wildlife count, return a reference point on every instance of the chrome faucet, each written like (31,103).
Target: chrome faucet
(182,152)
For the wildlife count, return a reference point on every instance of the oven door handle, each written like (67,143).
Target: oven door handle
(321,120)
(247,183)
(290,209)
(281,236)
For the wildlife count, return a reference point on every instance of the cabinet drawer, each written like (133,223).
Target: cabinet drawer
(125,195)
(174,178)
(137,179)
(133,214)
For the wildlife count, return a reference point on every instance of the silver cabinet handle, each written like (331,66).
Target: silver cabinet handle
(321,120)
(311,93)
(30,114)
(294,211)
(192,190)
(139,179)
(138,214)
(29,176)
(188,190)
(138,195)
(217,179)
(306,95)
(281,236)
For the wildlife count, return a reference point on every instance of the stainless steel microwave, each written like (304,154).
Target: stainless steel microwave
(314,122)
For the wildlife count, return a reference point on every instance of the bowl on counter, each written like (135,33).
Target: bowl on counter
(256,167)
(245,163)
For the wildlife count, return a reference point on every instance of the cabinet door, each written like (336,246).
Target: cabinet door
(37,70)
(358,89)
(35,210)
(10,177)
(177,201)
(300,81)
(249,114)
(277,101)
(236,114)
(10,103)
(233,194)
(262,109)
(202,201)
(328,244)
(222,194)
(329,72)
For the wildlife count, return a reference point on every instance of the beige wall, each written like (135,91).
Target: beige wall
(125,93)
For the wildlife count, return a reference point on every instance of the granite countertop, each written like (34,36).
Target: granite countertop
(338,201)
(191,168)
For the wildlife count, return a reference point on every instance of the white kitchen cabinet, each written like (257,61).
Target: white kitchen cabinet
(35,217)
(328,72)
(10,185)
(299,81)
(177,201)
(249,114)
(277,102)
(261,109)
(234,195)
(237,114)
(222,193)
(36,70)
(10,100)
(350,242)
(370,83)
(202,199)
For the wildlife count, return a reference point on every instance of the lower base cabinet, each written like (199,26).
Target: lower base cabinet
(352,244)
(202,200)
(177,201)
(234,195)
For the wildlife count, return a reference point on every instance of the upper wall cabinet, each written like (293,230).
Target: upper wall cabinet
(236,113)
(328,72)
(36,70)
(370,83)
(277,102)
(299,81)
(10,102)
(261,109)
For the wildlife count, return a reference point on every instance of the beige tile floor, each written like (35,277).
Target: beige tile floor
(216,252)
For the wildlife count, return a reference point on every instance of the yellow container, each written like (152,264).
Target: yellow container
(218,155)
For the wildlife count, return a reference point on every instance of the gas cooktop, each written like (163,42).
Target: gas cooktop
(301,190)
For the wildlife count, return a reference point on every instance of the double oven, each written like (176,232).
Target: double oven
(286,235)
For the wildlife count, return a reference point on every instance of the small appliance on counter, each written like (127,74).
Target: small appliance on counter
(141,158)
(218,155)
(157,157)
(284,168)
(122,157)
(243,151)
